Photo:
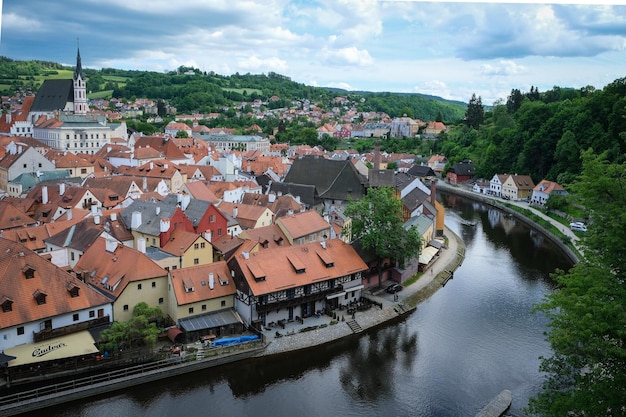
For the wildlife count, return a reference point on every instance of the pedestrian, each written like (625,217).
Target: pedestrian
(431,271)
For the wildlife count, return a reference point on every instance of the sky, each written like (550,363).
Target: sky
(447,49)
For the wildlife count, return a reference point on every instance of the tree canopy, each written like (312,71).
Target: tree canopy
(140,330)
(377,224)
(586,375)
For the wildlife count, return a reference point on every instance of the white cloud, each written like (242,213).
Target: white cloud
(12,21)
(502,67)
(346,56)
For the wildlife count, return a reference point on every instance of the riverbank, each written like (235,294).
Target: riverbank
(557,239)
(386,310)
(292,338)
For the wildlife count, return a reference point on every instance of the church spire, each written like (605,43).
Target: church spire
(80,88)
(79,66)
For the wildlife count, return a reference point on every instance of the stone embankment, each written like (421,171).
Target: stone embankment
(384,311)
(499,204)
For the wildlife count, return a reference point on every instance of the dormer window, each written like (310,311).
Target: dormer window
(40,297)
(29,272)
(188,285)
(7,304)
(72,289)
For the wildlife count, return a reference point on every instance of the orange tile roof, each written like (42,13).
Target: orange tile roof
(121,266)
(16,262)
(198,278)
(271,236)
(303,224)
(275,268)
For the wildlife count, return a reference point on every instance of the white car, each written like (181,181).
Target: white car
(578,226)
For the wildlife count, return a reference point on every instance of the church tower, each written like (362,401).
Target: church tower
(80,88)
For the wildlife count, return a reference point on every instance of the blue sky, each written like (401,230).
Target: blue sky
(447,49)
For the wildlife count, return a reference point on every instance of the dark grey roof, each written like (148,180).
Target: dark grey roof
(421,171)
(464,167)
(414,199)
(337,180)
(381,177)
(79,236)
(150,220)
(53,95)
(307,193)
(209,320)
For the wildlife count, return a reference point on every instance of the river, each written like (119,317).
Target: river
(466,343)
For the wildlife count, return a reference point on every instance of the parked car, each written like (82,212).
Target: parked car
(578,226)
(394,288)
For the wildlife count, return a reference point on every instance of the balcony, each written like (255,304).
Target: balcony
(47,334)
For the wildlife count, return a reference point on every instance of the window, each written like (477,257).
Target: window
(161,300)
(125,307)
(92,314)
(219,231)
(7,306)
(202,245)
(196,261)
(20,330)
(75,317)
(153,284)
(72,256)
(138,286)
(223,303)
(190,310)
(212,218)
(196,246)
(203,307)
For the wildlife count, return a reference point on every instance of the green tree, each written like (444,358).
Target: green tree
(475,113)
(161,108)
(377,224)
(140,330)
(182,134)
(586,375)
(392,165)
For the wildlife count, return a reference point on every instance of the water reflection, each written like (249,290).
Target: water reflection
(368,374)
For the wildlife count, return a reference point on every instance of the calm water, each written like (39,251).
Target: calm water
(462,346)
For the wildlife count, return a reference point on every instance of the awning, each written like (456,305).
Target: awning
(75,344)
(435,243)
(335,295)
(4,359)
(174,334)
(427,254)
(210,320)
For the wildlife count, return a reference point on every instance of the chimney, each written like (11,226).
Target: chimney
(211,280)
(94,209)
(433,192)
(69,213)
(164,225)
(271,197)
(208,235)
(113,217)
(62,188)
(44,194)
(111,245)
(235,211)
(96,219)
(246,254)
(377,155)
(185,202)
(158,210)
(151,166)
(135,220)
(141,244)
